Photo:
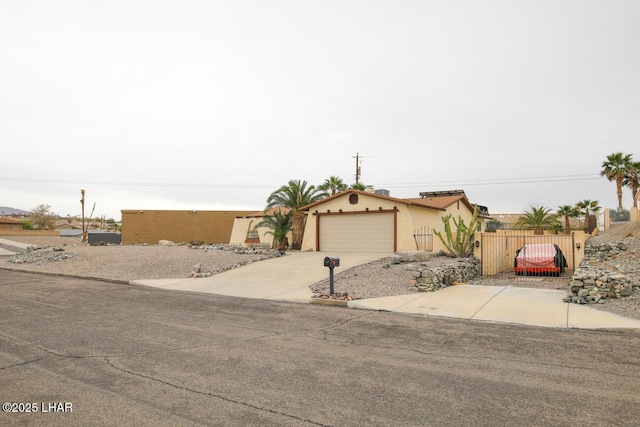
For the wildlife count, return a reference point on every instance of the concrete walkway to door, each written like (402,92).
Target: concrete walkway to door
(285,278)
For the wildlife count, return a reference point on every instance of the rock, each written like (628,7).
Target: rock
(166,243)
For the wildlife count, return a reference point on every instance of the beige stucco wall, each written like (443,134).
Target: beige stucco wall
(150,226)
(409,218)
(242,226)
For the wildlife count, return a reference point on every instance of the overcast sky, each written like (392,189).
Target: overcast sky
(211,104)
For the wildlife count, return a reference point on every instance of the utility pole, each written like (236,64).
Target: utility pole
(357,168)
(84,232)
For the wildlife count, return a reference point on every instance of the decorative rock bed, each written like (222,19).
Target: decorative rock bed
(592,284)
(40,255)
(428,279)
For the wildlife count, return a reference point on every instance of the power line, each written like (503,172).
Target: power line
(136,184)
(489,181)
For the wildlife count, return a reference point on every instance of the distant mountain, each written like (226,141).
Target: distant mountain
(6,211)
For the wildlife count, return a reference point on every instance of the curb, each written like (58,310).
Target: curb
(71,276)
(331,302)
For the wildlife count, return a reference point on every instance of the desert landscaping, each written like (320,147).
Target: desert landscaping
(384,277)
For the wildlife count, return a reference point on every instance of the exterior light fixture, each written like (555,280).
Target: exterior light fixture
(477,243)
(578,245)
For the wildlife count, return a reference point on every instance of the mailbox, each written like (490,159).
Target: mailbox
(331,262)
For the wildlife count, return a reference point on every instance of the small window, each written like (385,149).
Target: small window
(353,199)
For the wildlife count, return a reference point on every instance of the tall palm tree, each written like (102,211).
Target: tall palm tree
(294,196)
(615,168)
(632,180)
(537,218)
(333,184)
(567,211)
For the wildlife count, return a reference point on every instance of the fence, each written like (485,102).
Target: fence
(424,239)
(498,251)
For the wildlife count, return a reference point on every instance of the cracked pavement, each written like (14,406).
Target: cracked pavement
(128,355)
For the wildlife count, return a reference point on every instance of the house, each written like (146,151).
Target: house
(362,221)
(10,224)
(244,231)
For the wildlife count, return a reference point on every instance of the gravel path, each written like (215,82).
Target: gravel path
(376,279)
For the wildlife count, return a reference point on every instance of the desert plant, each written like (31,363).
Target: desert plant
(27,225)
(586,207)
(42,217)
(359,186)
(279,225)
(619,215)
(567,211)
(294,196)
(616,168)
(538,218)
(462,244)
(333,184)
(632,180)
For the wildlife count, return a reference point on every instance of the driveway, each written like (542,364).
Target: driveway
(285,278)
(139,356)
(288,278)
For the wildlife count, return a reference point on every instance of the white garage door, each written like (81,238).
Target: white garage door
(371,232)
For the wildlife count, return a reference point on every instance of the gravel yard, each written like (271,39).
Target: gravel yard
(377,279)
(129,262)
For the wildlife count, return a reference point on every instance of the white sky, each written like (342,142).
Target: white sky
(214,104)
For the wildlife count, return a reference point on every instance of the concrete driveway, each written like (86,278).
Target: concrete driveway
(288,278)
(285,279)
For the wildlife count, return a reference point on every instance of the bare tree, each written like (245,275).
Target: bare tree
(42,218)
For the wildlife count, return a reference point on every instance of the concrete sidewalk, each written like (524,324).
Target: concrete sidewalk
(287,279)
(535,307)
(7,253)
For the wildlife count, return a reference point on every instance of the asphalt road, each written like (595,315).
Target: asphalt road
(124,355)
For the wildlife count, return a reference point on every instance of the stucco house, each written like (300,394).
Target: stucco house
(244,231)
(361,221)
(10,224)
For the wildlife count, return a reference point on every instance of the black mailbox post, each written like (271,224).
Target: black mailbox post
(331,262)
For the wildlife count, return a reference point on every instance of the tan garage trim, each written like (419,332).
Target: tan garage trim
(381,217)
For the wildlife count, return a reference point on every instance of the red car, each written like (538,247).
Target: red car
(539,259)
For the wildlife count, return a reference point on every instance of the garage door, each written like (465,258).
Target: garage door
(370,232)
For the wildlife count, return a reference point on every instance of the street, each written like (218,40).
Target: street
(78,352)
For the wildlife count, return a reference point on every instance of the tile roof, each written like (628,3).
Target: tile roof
(437,201)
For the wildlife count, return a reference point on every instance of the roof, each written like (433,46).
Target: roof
(5,220)
(439,200)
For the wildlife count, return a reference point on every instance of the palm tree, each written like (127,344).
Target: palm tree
(538,218)
(585,207)
(279,225)
(294,196)
(615,168)
(567,212)
(359,186)
(632,180)
(334,183)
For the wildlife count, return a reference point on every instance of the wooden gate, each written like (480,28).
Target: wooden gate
(499,250)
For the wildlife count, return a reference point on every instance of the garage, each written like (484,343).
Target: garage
(357,232)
